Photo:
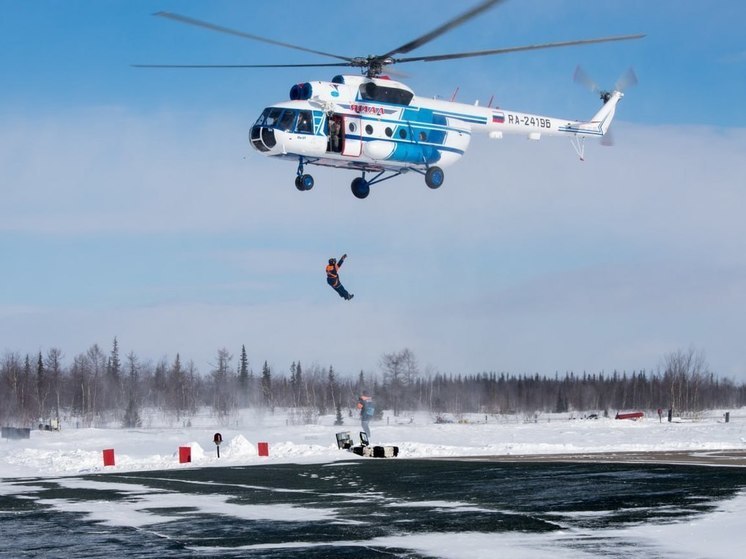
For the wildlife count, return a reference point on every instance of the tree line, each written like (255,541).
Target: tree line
(102,386)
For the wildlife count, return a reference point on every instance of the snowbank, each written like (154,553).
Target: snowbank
(73,450)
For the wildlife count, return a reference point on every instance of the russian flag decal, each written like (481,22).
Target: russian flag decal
(498,117)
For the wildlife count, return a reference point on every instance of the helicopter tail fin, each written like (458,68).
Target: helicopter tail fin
(599,124)
(606,114)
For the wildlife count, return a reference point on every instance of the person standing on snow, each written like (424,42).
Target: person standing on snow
(367,410)
(332,277)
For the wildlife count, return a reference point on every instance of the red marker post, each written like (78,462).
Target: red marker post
(185,454)
(109,457)
(217,439)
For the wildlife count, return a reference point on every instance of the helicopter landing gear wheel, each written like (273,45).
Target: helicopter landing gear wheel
(434,177)
(304,182)
(360,188)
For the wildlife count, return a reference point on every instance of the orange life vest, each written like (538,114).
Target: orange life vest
(332,273)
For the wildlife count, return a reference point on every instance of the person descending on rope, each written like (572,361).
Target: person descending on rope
(332,277)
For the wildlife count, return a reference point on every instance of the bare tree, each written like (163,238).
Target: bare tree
(399,371)
(11,398)
(683,375)
(53,364)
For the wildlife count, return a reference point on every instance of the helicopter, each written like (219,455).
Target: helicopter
(378,127)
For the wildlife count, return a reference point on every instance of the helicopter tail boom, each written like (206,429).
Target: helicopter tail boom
(496,122)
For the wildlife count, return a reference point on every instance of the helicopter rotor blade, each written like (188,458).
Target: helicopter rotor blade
(447,26)
(218,66)
(519,49)
(626,80)
(373,66)
(242,34)
(581,77)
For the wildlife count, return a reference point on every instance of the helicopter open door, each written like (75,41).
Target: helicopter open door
(352,143)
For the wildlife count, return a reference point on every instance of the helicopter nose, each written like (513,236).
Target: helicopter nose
(262,138)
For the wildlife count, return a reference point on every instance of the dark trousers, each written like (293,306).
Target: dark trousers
(339,288)
(364,420)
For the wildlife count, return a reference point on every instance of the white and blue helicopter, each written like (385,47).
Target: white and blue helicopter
(377,126)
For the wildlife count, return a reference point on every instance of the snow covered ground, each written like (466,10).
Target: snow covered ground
(73,451)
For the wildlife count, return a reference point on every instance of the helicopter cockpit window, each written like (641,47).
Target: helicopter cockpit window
(269,117)
(287,120)
(373,92)
(304,122)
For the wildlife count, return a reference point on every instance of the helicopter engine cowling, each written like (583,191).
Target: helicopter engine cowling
(301,92)
(325,91)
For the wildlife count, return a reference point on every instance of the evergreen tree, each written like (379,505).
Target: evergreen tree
(116,365)
(267,385)
(27,408)
(42,388)
(178,388)
(294,384)
(561,405)
(243,377)
(131,415)
(113,388)
(223,395)
(132,384)
(160,384)
(332,389)
(301,384)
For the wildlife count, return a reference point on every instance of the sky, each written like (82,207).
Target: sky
(134,207)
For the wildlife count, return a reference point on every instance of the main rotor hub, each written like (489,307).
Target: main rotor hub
(376,64)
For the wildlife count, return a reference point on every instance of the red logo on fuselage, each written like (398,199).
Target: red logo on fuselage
(367,109)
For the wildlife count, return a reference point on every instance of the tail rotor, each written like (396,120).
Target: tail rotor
(626,80)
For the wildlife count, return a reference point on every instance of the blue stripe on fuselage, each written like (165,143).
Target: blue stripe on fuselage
(413,152)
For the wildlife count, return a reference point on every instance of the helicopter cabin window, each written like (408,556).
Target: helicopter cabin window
(287,120)
(403,133)
(388,131)
(423,136)
(304,122)
(369,129)
(374,92)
